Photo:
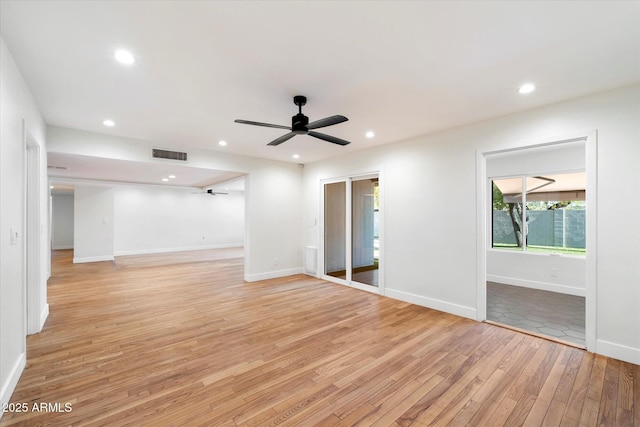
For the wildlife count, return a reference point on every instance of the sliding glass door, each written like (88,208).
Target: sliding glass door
(335,230)
(365,259)
(352,230)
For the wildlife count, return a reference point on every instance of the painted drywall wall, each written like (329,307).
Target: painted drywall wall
(548,272)
(273,219)
(151,219)
(428,190)
(556,273)
(273,244)
(62,206)
(18,114)
(93,231)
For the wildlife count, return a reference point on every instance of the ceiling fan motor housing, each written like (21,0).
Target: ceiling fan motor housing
(299,124)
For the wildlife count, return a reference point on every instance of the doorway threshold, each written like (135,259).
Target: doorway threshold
(535,334)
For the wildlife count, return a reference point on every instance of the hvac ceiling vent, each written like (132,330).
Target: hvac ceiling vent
(170,155)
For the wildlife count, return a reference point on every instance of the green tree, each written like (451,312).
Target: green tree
(515,212)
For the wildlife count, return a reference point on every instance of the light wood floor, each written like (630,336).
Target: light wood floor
(145,341)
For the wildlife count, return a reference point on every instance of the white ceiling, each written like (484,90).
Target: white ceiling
(399,68)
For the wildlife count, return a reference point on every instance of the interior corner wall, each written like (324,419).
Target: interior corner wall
(93,231)
(18,113)
(430,198)
(62,221)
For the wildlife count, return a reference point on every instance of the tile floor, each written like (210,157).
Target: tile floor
(549,313)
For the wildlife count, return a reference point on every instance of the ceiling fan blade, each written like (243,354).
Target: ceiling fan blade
(268,125)
(327,121)
(328,138)
(282,139)
(215,193)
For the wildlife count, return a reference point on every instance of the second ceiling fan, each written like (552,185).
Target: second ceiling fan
(300,125)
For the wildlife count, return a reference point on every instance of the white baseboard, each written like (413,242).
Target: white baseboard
(59,248)
(447,307)
(12,380)
(618,351)
(43,316)
(273,274)
(93,259)
(180,249)
(543,286)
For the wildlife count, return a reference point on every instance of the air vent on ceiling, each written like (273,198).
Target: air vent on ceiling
(166,154)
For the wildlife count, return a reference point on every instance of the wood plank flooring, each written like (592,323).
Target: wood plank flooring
(182,340)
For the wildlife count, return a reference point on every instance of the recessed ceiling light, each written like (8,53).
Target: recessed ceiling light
(527,88)
(172,177)
(165,179)
(370,134)
(108,122)
(296,156)
(124,57)
(222,143)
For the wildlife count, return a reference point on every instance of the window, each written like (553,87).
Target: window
(540,213)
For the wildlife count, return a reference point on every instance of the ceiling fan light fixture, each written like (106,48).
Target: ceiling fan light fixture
(370,134)
(222,143)
(109,123)
(296,156)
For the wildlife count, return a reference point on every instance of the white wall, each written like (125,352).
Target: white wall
(18,113)
(62,221)
(429,190)
(273,219)
(549,272)
(152,219)
(273,242)
(568,156)
(93,229)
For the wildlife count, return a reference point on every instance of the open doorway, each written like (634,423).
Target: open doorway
(61,216)
(538,242)
(533,216)
(36,293)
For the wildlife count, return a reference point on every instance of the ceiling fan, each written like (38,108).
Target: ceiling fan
(300,125)
(209,191)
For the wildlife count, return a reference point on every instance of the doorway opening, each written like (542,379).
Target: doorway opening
(533,216)
(537,240)
(35,292)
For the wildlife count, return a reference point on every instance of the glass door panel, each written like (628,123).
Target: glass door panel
(364,237)
(335,230)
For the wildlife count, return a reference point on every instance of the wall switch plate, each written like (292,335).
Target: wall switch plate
(14,236)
